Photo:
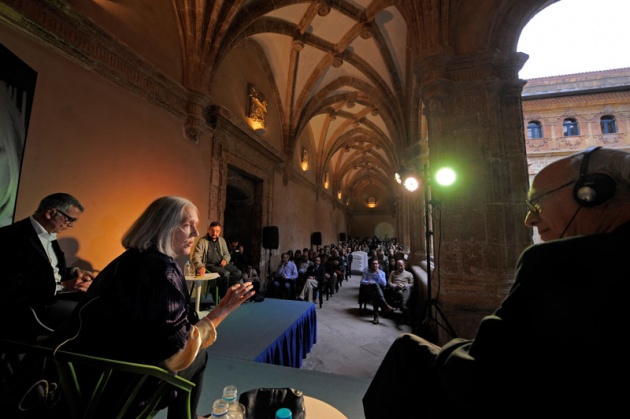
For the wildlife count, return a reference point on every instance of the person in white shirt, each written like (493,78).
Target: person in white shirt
(39,291)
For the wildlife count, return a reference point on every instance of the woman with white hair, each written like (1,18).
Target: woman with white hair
(137,308)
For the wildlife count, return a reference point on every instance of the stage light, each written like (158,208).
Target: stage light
(411,184)
(445,176)
(407,178)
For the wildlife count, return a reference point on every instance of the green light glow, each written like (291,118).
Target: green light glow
(445,176)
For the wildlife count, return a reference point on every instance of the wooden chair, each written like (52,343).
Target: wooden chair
(99,387)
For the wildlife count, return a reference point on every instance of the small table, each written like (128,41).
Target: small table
(317,409)
(198,281)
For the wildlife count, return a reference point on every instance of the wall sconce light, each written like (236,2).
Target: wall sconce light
(304,162)
(339,195)
(326,180)
(371,202)
(407,178)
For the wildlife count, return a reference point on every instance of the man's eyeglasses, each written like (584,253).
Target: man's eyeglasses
(69,220)
(532,204)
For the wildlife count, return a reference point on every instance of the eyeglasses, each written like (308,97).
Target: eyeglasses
(69,220)
(532,204)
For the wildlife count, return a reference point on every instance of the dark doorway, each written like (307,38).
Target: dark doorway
(242,220)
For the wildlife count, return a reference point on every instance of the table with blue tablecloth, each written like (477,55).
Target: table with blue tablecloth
(273,331)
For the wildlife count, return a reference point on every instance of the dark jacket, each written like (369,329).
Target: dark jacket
(26,278)
(555,343)
(318,272)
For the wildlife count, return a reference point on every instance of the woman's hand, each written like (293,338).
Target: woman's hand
(234,297)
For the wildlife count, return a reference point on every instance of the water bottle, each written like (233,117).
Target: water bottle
(220,409)
(230,396)
(188,269)
(284,413)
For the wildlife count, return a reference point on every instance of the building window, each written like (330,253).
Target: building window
(534,129)
(608,124)
(570,127)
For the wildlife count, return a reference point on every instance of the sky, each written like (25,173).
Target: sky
(576,36)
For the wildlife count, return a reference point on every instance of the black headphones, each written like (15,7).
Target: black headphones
(592,189)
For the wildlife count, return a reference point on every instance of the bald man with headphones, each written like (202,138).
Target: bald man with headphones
(556,345)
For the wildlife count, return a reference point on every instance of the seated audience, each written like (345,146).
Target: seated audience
(334,269)
(137,308)
(250,274)
(211,254)
(374,281)
(316,277)
(400,282)
(554,345)
(303,266)
(284,280)
(38,290)
(237,255)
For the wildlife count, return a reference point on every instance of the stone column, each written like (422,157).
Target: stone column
(474,117)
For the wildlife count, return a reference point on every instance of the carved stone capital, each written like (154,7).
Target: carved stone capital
(193,128)
(323,9)
(337,60)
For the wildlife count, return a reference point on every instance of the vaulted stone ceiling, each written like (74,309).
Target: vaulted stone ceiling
(348,74)
(342,73)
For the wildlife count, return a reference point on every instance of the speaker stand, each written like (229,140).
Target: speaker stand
(269,267)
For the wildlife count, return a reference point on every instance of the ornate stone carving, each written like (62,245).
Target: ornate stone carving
(257,107)
(337,60)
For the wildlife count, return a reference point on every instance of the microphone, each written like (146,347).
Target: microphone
(570,221)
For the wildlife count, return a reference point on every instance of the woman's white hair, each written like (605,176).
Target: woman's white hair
(156,225)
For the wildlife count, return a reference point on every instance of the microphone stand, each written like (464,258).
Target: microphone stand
(431,322)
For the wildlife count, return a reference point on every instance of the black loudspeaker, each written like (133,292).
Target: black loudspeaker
(592,189)
(342,237)
(316,238)
(270,237)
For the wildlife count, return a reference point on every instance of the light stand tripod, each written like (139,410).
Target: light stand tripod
(429,328)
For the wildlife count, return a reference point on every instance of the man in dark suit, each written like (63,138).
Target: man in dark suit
(555,345)
(316,277)
(37,290)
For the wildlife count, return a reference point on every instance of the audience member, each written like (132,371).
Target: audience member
(250,274)
(374,281)
(302,265)
(382,261)
(136,310)
(284,281)
(316,277)
(211,254)
(400,282)
(554,344)
(38,290)
(335,269)
(237,255)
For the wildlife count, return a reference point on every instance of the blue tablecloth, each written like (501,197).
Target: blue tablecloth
(274,331)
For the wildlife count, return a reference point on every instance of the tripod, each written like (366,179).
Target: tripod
(434,316)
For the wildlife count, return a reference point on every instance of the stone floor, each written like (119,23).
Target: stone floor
(347,341)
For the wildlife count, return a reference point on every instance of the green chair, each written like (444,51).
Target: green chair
(98,387)
(28,380)
(127,381)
